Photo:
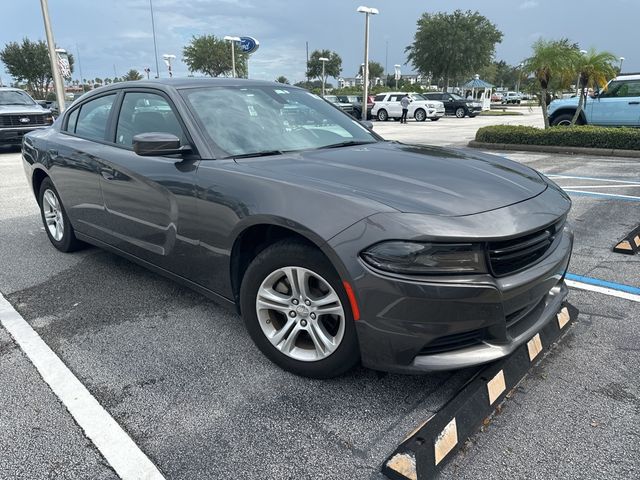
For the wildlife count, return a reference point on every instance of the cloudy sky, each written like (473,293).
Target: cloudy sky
(116,35)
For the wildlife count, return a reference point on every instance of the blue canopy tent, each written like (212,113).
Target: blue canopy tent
(480,85)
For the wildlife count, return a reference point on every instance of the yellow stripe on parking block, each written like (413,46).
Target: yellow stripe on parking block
(637,240)
(563,317)
(534,346)
(445,442)
(404,464)
(496,386)
(624,245)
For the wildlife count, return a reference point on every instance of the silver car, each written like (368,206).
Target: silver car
(20,114)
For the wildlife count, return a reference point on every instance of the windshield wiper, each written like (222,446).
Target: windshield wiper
(264,153)
(348,143)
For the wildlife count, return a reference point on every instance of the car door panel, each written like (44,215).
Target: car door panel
(618,106)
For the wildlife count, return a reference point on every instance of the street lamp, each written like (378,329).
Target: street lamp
(167,60)
(367,11)
(53,56)
(323,60)
(621,61)
(233,41)
(519,78)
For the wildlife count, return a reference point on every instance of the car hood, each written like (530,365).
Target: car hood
(563,102)
(408,178)
(22,109)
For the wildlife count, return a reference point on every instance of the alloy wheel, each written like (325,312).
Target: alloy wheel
(53,215)
(300,314)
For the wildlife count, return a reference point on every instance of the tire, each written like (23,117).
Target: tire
(460,112)
(420,115)
(267,277)
(382,115)
(562,120)
(434,119)
(59,229)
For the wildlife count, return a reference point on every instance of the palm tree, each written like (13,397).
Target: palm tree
(132,75)
(282,79)
(595,69)
(551,58)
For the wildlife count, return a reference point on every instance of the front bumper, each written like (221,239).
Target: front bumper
(413,326)
(13,135)
(435,112)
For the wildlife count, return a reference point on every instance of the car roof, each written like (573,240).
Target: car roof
(11,89)
(628,76)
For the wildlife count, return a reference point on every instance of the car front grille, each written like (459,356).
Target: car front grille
(511,256)
(20,120)
(453,342)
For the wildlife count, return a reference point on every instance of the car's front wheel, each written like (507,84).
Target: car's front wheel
(55,219)
(297,312)
(420,115)
(383,116)
(460,112)
(562,120)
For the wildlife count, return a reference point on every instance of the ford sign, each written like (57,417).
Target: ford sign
(249,44)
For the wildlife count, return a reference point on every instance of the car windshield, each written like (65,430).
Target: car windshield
(15,97)
(456,97)
(243,121)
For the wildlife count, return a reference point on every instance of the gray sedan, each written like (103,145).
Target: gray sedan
(334,245)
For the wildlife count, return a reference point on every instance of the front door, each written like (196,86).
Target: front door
(150,201)
(618,105)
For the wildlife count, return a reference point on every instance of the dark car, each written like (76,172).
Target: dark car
(20,114)
(455,104)
(334,245)
(356,101)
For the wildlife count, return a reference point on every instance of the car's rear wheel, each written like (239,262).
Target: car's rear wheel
(460,112)
(562,120)
(55,219)
(297,312)
(383,116)
(420,115)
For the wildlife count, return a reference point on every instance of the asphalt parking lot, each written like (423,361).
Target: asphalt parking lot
(182,378)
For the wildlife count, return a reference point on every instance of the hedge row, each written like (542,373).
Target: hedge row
(578,136)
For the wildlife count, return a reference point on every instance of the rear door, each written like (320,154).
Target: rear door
(618,105)
(393,106)
(150,201)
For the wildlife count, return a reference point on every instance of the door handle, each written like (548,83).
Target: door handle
(634,103)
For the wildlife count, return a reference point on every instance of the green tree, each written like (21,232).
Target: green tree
(28,62)
(453,45)
(332,67)
(212,56)
(595,69)
(551,60)
(282,79)
(132,75)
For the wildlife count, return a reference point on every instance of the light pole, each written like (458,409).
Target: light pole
(53,56)
(155,46)
(167,60)
(233,41)
(396,75)
(519,78)
(367,11)
(323,60)
(621,61)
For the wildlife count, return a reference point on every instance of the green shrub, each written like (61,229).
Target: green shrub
(578,136)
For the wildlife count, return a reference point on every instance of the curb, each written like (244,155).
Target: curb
(608,152)
(630,244)
(427,449)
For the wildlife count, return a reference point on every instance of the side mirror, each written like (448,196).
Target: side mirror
(157,144)
(367,124)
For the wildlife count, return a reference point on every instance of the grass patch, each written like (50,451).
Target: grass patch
(579,136)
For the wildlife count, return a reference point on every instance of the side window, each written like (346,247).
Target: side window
(93,117)
(144,112)
(379,98)
(71,121)
(627,89)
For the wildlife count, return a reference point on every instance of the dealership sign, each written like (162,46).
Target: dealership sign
(249,44)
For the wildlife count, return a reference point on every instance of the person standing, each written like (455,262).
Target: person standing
(404,102)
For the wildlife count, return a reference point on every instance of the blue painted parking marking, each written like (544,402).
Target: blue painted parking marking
(610,196)
(615,180)
(603,283)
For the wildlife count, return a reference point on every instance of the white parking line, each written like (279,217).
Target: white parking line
(605,290)
(115,445)
(552,175)
(602,186)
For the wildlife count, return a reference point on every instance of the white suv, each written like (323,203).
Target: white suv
(387,105)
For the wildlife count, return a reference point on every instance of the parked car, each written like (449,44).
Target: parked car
(511,97)
(455,104)
(496,97)
(356,101)
(20,114)
(618,104)
(387,105)
(333,244)
(344,106)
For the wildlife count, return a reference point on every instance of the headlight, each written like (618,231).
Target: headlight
(49,119)
(426,258)
(431,105)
